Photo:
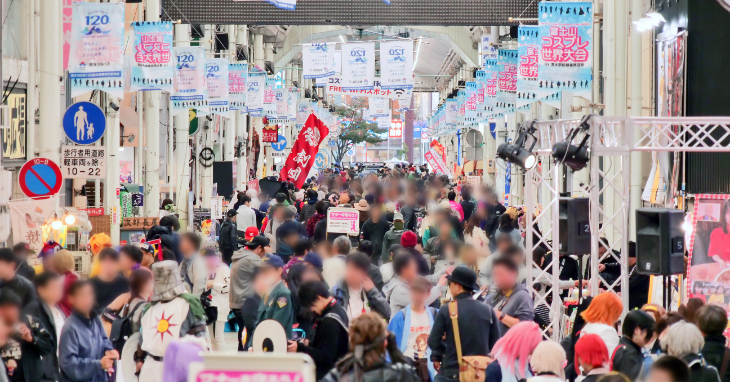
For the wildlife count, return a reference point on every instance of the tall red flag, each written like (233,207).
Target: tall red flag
(302,155)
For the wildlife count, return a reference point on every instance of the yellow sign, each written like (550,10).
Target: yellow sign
(13,139)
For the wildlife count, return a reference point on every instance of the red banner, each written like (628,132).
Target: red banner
(270,134)
(439,149)
(436,163)
(303,152)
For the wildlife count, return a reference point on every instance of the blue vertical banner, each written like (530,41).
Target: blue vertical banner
(470,117)
(566,51)
(491,79)
(96,56)
(507,83)
(151,63)
(528,48)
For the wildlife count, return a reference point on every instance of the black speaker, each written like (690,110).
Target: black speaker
(197,31)
(221,42)
(574,226)
(659,241)
(223,176)
(241,52)
(513,30)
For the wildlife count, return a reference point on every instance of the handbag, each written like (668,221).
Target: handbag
(472,368)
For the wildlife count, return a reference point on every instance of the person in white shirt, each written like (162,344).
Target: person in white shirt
(246,215)
(333,268)
(601,317)
(356,292)
(255,202)
(219,277)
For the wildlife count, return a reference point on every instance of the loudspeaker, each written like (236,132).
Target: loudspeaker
(197,31)
(659,241)
(223,176)
(241,52)
(574,226)
(221,42)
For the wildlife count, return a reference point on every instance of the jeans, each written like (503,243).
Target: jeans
(226,255)
(239,322)
(216,331)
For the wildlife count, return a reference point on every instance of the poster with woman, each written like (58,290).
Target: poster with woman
(708,274)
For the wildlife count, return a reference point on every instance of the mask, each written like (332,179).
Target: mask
(398,225)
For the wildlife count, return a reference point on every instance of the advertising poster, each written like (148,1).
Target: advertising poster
(528,49)
(566,52)
(237,76)
(216,78)
(396,64)
(507,80)
(151,62)
(317,60)
(292,98)
(96,55)
(255,93)
(491,78)
(13,138)
(282,103)
(708,276)
(379,107)
(336,68)
(335,87)
(460,108)
(28,218)
(303,112)
(358,66)
(189,79)
(452,112)
(471,113)
(270,98)
(343,220)
(671,61)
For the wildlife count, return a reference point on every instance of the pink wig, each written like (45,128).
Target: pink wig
(518,343)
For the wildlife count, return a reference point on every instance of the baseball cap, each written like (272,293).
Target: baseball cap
(147,247)
(273,261)
(314,259)
(398,216)
(257,241)
(22,247)
(251,232)
(231,213)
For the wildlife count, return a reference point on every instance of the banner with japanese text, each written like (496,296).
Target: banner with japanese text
(460,107)
(440,149)
(336,69)
(528,49)
(28,218)
(471,114)
(96,56)
(270,98)
(491,78)
(292,98)
(282,103)
(358,66)
(256,85)
(452,112)
(189,80)
(289,5)
(318,60)
(485,104)
(334,87)
(151,65)
(303,152)
(303,111)
(507,83)
(566,52)
(396,64)
(489,49)
(379,107)
(216,76)
(437,163)
(237,76)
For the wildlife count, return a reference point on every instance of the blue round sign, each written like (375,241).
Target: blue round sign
(322,159)
(332,143)
(84,123)
(279,146)
(350,152)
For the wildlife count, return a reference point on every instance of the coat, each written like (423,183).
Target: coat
(330,342)
(699,370)
(33,352)
(228,236)
(276,305)
(194,272)
(400,325)
(714,352)
(375,232)
(386,372)
(82,345)
(391,237)
(41,313)
(241,282)
(375,299)
(627,359)
(246,218)
(307,211)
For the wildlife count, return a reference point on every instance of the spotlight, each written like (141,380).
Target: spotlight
(575,157)
(516,152)
(56,224)
(69,219)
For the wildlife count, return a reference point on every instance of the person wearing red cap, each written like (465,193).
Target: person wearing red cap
(251,232)
(409,240)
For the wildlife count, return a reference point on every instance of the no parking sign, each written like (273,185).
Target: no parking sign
(40,178)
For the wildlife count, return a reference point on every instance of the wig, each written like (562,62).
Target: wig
(99,242)
(606,308)
(178,356)
(548,357)
(591,349)
(517,344)
(682,339)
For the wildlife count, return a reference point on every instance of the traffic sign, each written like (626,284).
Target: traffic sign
(83,162)
(84,123)
(350,152)
(322,160)
(280,145)
(40,178)
(332,143)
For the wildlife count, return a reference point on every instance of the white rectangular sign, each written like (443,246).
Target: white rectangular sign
(396,64)
(317,60)
(216,207)
(83,162)
(358,66)
(379,107)
(334,87)
(343,220)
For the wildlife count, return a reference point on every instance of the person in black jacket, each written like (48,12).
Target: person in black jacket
(712,321)
(668,369)
(330,342)
(229,237)
(21,252)
(638,329)
(471,314)
(28,343)
(374,229)
(10,280)
(44,310)
(308,209)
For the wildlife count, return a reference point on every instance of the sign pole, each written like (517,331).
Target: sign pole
(112,170)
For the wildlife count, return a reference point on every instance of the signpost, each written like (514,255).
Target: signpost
(343,220)
(40,178)
(84,123)
(279,148)
(322,160)
(83,162)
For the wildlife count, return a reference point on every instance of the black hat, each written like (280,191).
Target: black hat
(464,277)
(231,213)
(272,261)
(257,241)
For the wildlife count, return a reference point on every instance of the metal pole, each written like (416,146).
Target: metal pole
(152,134)
(49,81)
(636,105)
(181,123)
(242,122)
(258,56)
(112,173)
(139,150)
(31,98)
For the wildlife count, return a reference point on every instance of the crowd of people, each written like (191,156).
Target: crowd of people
(432,288)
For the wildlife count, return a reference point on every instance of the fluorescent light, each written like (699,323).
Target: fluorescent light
(652,21)
(657,16)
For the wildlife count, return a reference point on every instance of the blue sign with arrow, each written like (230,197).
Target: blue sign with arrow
(84,123)
(279,146)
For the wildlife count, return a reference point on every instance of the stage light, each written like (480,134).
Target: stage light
(69,219)
(56,224)
(516,152)
(575,157)
(657,16)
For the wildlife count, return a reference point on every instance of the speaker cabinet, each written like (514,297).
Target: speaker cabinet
(575,228)
(197,31)
(221,42)
(659,241)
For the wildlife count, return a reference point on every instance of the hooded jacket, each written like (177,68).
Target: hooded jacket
(398,293)
(308,210)
(228,236)
(243,264)
(375,299)
(391,237)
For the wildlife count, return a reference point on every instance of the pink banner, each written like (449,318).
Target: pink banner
(438,164)
(252,376)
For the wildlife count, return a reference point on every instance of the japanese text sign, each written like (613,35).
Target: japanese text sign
(343,220)
(152,61)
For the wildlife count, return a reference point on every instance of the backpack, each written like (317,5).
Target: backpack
(122,328)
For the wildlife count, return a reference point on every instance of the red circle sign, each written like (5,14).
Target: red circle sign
(40,178)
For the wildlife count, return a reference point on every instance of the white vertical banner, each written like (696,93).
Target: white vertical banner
(270,98)
(317,60)
(237,76)
(293,96)
(336,68)
(384,122)
(255,93)
(379,107)
(216,77)
(189,79)
(282,103)
(358,66)
(396,64)
(303,111)
(489,51)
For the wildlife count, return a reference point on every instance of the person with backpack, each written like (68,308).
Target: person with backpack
(411,327)
(128,320)
(684,341)
(193,270)
(712,321)
(637,329)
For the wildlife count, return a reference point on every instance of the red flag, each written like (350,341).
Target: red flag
(302,155)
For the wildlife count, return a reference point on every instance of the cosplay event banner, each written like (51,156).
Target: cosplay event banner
(151,64)
(96,56)
(528,50)
(293,97)
(216,78)
(566,51)
(460,108)
(358,66)
(256,85)
(485,104)
(336,69)
(471,114)
(318,60)
(270,98)
(708,276)
(507,82)
(237,76)
(189,78)
(396,64)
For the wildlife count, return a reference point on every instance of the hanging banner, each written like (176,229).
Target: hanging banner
(439,148)
(303,111)
(237,76)
(270,133)
(383,122)
(437,163)
(507,84)
(216,78)
(28,218)
(471,113)
(334,87)
(189,78)
(336,68)
(460,108)
(708,275)
(151,64)
(396,64)
(303,152)
(452,112)
(566,52)
(270,98)
(489,51)
(379,107)
(96,58)
(282,103)
(528,49)
(396,129)
(318,61)
(358,66)
(289,5)
(256,84)
(293,96)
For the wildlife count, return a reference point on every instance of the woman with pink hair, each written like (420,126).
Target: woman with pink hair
(512,353)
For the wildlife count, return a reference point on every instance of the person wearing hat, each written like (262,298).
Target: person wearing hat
(511,302)
(393,236)
(172,314)
(276,302)
(374,229)
(470,314)
(21,252)
(228,242)
(148,255)
(243,266)
(250,233)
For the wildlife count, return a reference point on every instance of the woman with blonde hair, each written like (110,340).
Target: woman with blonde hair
(370,343)
(512,353)
(601,317)
(547,362)
(685,341)
(63,263)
